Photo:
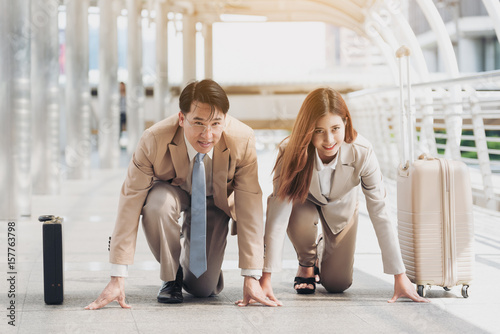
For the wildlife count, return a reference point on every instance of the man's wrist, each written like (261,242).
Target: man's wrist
(255,273)
(255,277)
(119,270)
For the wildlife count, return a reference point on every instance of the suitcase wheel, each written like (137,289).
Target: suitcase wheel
(421,290)
(465,291)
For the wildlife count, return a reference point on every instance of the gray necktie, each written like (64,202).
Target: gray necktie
(197,250)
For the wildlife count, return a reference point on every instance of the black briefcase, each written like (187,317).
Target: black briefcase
(53,287)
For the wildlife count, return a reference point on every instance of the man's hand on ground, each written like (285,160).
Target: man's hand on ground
(114,291)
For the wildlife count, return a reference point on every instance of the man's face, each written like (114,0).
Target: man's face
(202,132)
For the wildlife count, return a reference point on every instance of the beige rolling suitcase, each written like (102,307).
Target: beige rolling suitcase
(435,222)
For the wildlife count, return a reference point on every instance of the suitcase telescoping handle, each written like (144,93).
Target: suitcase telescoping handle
(406,117)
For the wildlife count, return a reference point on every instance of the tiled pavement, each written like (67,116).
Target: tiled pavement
(89,209)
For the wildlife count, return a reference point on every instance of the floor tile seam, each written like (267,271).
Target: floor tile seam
(245,316)
(61,308)
(40,255)
(90,323)
(135,320)
(377,308)
(226,297)
(358,317)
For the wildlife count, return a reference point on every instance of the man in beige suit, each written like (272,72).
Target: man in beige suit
(158,186)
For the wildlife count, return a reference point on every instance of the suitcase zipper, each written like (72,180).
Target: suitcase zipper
(452,222)
(449,268)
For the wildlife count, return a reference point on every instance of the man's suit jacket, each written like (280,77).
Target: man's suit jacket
(356,165)
(162,155)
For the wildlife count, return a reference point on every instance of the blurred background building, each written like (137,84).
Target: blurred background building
(61,63)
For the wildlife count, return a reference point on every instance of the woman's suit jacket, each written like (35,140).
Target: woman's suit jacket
(162,155)
(356,165)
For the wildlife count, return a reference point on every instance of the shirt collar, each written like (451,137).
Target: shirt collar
(192,152)
(320,165)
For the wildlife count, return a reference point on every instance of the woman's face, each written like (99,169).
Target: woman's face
(328,135)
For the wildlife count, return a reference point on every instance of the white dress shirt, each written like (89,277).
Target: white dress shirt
(325,173)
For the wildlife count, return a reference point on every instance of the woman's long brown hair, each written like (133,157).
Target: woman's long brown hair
(297,160)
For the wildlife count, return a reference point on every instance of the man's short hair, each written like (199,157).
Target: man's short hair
(204,91)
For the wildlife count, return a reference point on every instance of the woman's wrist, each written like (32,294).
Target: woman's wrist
(399,276)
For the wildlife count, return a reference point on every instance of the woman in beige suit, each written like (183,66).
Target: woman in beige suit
(316,177)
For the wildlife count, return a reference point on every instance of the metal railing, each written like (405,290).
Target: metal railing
(456,118)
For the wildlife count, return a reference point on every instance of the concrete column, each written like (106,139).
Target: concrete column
(188,49)
(45,167)
(15,113)
(109,114)
(161,94)
(8,207)
(135,88)
(78,142)
(21,107)
(208,42)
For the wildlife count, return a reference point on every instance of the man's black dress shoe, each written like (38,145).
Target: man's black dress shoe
(171,291)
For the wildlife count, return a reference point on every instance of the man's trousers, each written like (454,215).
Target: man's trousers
(169,237)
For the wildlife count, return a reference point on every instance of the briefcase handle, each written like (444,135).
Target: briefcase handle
(45,218)
(50,219)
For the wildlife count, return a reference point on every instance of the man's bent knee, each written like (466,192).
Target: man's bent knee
(159,197)
(200,291)
(338,286)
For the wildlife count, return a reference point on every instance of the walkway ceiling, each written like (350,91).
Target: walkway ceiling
(380,21)
(373,19)
(349,14)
